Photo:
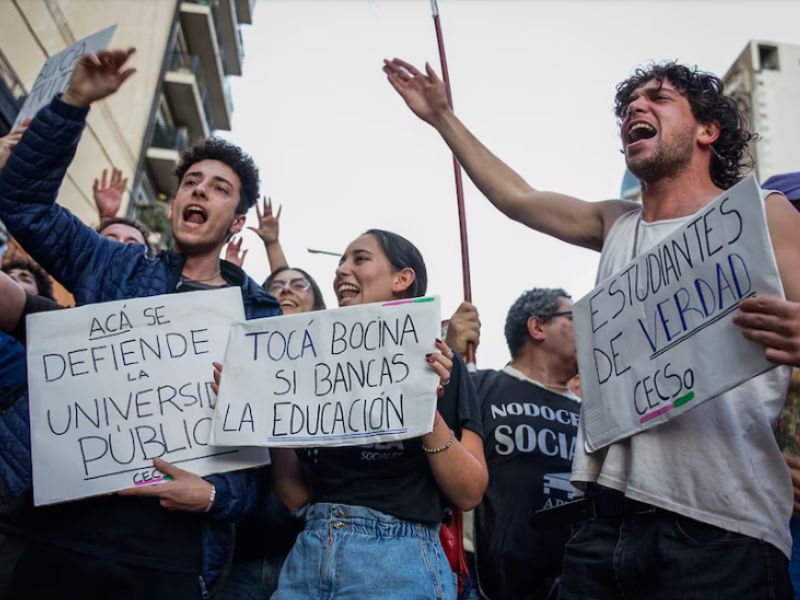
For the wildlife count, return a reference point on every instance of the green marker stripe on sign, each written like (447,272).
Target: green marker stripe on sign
(683,400)
(426,299)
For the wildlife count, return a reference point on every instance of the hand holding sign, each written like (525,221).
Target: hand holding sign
(183,491)
(775,324)
(442,363)
(97,76)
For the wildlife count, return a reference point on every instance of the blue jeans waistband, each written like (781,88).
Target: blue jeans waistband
(366,521)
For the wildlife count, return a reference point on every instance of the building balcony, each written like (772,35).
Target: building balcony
(164,153)
(201,36)
(228,37)
(244,11)
(185,90)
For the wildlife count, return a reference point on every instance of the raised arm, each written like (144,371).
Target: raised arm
(564,217)
(29,184)
(269,231)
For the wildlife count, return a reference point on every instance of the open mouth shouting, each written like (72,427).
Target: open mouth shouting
(194,215)
(347,293)
(639,131)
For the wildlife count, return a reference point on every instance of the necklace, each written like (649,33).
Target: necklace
(213,276)
(188,279)
(555,385)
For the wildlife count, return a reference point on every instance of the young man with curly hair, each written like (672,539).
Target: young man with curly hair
(698,507)
(173,543)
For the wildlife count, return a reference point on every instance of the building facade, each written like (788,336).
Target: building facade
(765,80)
(185,52)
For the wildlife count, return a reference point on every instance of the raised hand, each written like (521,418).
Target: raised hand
(9,141)
(182,490)
(268,224)
(425,95)
(97,76)
(234,253)
(108,194)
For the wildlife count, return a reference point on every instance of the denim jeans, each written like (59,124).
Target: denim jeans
(664,556)
(252,579)
(356,553)
(794,564)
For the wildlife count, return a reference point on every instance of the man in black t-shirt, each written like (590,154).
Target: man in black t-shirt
(530,424)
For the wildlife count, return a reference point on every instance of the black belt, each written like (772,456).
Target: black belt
(599,502)
(610,504)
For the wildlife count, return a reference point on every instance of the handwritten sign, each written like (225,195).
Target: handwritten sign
(56,71)
(116,384)
(340,377)
(657,338)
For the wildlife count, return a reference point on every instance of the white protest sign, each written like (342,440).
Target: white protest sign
(657,338)
(116,384)
(56,71)
(339,377)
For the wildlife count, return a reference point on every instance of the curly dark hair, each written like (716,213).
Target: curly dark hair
(242,164)
(319,301)
(709,103)
(538,302)
(43,283)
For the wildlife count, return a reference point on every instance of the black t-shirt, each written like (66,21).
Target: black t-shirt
(529,441)
(394,477)
(129,530)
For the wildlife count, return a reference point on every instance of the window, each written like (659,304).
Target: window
(768,57)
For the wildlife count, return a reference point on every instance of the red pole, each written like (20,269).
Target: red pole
(462,216)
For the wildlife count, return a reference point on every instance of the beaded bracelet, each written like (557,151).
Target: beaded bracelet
(211,497)
(440,448)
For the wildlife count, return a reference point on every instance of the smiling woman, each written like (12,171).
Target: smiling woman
(376,510)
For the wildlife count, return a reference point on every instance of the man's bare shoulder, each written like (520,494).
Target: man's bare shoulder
(612,210)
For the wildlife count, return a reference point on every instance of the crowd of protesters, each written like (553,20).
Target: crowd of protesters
(551,519)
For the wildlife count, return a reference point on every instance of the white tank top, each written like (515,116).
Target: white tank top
(718,463)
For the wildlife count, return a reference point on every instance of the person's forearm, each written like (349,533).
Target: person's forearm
(497,181)
(459,472)
(275,256)
(569,219)
(291,484)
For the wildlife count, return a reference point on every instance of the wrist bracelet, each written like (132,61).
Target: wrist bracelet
(440,448)
(212,496)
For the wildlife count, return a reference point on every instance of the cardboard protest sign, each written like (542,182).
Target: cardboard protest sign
(657,338)
(116,384)
(56,71)
(339,377)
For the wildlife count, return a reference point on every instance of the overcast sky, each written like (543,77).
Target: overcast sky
(534,80)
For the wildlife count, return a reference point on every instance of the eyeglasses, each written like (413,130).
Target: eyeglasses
(300,285)
(562,313)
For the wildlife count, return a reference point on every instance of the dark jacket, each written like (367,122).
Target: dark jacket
(96,269)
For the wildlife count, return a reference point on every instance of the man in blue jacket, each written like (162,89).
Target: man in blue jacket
(174,543)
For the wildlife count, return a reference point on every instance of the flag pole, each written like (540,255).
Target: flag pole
(462,217)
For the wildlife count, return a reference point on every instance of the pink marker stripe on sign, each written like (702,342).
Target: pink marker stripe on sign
(655,413)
